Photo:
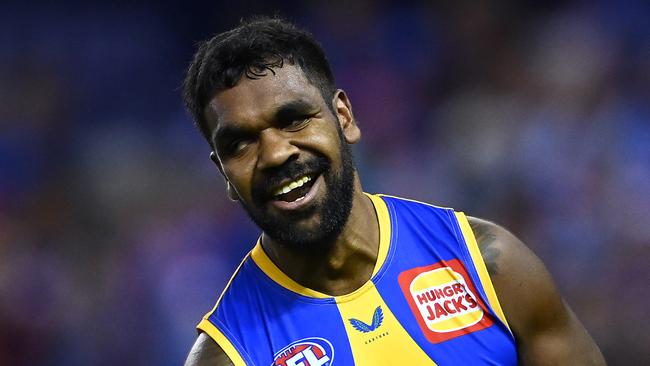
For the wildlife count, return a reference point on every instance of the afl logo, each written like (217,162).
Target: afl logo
(305,352)
(444,300)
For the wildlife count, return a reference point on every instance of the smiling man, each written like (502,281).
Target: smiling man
(339,276)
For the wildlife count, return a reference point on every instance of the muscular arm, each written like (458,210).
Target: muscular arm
(207,352)
(547,332)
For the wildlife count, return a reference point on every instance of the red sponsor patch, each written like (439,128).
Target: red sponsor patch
(444,300)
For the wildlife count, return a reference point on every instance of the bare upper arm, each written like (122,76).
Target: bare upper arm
(206,351)
(547,332)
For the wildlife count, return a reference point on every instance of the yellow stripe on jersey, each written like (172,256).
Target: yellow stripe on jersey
(384,231)
(383,342)
(271,270)
(266,264)
(222,341)
(412,200)
(483,274)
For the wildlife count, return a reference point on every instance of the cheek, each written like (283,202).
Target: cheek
(325,140)
(239,179)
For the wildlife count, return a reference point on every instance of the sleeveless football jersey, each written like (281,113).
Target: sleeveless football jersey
(429,301)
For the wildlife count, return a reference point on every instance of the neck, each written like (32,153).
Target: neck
(350,261)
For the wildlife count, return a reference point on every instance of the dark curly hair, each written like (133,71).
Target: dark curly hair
(254,48)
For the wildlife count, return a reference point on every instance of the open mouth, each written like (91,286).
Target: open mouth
(295,190)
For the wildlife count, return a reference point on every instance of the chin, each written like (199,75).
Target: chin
(311,234)
(317,224)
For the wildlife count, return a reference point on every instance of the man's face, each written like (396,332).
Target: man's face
(286,155)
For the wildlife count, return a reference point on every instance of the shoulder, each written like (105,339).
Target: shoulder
(505,255)
(546,330)
(207,352)
(514,270)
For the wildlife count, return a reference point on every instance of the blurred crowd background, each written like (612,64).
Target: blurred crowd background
(115,232)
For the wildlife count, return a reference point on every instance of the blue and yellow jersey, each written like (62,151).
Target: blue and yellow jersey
(429,301)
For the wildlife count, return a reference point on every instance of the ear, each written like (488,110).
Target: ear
(230,190)
(343,110)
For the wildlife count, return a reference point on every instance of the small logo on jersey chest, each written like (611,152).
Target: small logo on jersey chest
(444,300)
(377,319)
(312,351)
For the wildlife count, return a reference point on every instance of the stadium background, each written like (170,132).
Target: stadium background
(115,233)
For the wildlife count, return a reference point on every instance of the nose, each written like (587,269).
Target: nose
(274,149)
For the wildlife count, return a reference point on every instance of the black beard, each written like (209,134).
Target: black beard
(334,211)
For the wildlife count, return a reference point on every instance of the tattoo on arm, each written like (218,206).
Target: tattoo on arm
(486,243)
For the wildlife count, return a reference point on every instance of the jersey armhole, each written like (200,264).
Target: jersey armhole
(220,338)
(205,325)
(477,259)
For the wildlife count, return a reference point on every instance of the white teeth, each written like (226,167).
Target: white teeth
(292,185)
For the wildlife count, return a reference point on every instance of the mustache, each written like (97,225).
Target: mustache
(292,169)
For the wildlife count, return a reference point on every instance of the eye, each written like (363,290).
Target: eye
(238,146)
(297,124)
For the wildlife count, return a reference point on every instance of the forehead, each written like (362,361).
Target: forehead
(257,99)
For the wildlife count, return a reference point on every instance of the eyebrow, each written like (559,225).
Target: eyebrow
(224,132)
(283,112)
(292,109)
